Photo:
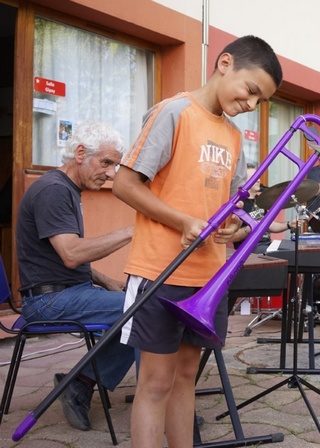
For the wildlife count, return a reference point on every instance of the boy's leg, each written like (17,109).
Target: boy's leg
(159,336)
(181,405)
(155,381)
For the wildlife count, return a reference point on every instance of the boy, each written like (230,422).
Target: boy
(181,169)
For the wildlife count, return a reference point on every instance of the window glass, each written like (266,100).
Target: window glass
(248,123)
(281,116)
(79,75)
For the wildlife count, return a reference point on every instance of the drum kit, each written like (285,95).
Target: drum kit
(269,307)
(306,200)
(307,190)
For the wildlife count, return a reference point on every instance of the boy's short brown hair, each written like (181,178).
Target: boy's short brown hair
(252,51)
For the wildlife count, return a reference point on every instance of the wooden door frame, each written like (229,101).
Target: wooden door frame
(22,116)
(23,100)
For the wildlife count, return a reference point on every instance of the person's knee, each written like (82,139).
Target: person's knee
(156,389)
(155,384)
(187,372)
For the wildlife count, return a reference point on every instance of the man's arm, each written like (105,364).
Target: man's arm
(75,251)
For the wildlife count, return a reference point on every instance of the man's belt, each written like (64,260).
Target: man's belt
(42,289)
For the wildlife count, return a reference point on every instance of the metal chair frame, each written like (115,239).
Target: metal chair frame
(23,330)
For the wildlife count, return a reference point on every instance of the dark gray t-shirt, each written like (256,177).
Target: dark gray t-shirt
(51,206)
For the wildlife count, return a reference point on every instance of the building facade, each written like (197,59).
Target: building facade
(73,60)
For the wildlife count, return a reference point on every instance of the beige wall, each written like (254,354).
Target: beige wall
(103,212)
(291,28)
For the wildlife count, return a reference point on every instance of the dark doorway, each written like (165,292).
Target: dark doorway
(7,31)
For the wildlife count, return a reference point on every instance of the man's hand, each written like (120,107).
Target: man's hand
(114,285)
(106,282)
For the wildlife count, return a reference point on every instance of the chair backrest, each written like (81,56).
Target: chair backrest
(5,292)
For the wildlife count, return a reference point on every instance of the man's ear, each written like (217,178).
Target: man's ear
(225,62)
(80,154)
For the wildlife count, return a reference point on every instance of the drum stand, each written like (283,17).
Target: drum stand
(294,381)
(259,319)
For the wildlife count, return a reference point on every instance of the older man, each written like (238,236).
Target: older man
(54,257)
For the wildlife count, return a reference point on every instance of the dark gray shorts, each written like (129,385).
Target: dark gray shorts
(156,330)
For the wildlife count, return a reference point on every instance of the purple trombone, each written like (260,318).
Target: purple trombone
(198,311)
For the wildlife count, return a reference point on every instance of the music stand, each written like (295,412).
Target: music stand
(240,439)
(294,381)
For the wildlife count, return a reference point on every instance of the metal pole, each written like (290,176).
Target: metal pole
(205,40)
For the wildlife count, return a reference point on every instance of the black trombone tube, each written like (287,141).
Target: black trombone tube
(33,416)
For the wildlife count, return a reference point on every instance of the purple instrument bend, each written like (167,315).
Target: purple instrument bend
(198,311)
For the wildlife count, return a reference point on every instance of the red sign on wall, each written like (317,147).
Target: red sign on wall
(49,86)
(253,136)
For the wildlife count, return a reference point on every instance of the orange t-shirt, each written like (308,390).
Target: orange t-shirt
(192,158)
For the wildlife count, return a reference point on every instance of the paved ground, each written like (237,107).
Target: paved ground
(281,411)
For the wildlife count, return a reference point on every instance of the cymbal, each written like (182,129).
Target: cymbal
(306,190)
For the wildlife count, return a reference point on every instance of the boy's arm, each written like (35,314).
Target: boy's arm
(131,187)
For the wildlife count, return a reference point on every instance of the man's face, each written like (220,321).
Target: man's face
(242,90)
(96,169)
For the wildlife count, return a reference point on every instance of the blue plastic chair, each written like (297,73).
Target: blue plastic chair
(22,330)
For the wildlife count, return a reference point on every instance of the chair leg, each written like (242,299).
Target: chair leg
(12,375)
(93,341)
(102,392)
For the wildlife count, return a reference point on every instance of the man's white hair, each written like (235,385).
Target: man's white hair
(92,135)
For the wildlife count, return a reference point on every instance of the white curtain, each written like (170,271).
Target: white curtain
(281,116)
(105,81)
(248,123)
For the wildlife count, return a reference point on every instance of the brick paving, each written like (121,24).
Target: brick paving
(281,411)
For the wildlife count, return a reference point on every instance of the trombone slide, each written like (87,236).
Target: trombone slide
(198,311)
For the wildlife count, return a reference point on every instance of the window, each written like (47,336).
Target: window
(248,123)
(79,75)
(281,116)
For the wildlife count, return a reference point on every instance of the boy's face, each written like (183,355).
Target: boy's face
(242,90)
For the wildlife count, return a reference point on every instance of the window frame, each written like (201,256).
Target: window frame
(30,12)
(264,126)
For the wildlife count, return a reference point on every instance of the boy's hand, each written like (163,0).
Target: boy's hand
(192,228)
(226,233)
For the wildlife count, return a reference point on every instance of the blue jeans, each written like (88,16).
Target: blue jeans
(87,304)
